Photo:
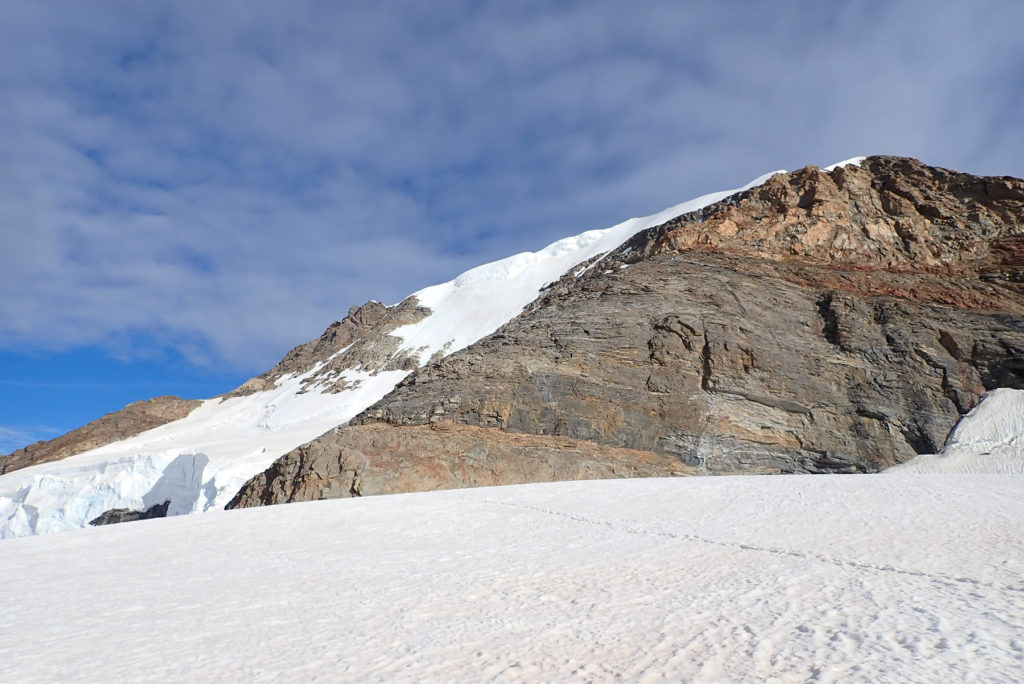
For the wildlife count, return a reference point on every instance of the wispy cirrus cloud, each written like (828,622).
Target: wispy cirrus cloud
(15,437)
(225,179)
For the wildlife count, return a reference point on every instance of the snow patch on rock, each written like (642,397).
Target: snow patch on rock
(852,161)
(989,439)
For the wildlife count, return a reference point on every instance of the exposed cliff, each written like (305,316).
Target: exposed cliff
(822,322)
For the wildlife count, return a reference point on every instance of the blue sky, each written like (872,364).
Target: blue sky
(189,189)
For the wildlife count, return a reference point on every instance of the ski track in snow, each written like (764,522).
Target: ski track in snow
(935,577)
(754,578)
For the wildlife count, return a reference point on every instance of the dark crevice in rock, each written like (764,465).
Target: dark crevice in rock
(705,365)
(829,321)
(952,394)
(918,440)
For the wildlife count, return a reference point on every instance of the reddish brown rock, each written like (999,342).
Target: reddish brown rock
(383,459)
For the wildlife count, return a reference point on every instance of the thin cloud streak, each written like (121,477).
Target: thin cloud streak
(93,385)
(12,438)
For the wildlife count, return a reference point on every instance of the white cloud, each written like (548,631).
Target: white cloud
(229,178)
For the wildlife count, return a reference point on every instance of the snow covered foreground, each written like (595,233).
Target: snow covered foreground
(199,463)
(896,578)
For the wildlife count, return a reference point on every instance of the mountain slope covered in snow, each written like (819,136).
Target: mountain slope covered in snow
(198,463)
(835,320)
(990,439)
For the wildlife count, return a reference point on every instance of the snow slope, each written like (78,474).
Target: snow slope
(196,463)
(989,439)
(199,462)
(757,578)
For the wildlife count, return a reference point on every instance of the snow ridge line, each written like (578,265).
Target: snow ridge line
(936,577)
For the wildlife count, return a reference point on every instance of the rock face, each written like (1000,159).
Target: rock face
(362,339)
(379,459)
(120,515)
(128,422)
(823,322)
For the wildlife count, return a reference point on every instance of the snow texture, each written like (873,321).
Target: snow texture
(895,578)
(989,439)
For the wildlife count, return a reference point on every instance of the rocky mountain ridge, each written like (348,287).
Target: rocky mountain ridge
(361,339)
(316,386)
(824,321)
(133,419)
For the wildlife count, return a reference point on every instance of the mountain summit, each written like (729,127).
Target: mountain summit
(822,321)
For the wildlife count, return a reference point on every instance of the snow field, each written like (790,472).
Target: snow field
(756,578)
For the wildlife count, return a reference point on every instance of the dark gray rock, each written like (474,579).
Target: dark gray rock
(120,515)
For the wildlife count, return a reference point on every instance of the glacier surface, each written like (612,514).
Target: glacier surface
(828,578)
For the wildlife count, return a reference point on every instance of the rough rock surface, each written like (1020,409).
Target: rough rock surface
(361,339)
(120,515)
(128,422)
(823,322)
(380,459)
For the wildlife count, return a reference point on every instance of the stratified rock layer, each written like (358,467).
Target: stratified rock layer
(132,420)
(379,459)
(823,322)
